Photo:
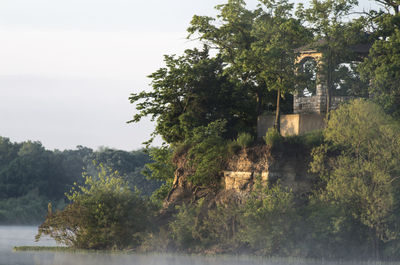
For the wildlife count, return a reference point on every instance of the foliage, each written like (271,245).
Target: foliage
(184,228)
(104,213)
(129,164)
(27,209)
(244,139)
(233,147)
(161,169)
(192,91)
(330,231)
(270,219)
(26,167)
(272,138)
(207,154)
(334,35)
(224,224)
(382,69)
(307,141)
(264,223)
(258,45)
(231,35)
(363,177)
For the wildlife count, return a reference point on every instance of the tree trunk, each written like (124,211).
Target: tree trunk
(278,113)
(376,246)
(328,101)
(259,103)
(329,85)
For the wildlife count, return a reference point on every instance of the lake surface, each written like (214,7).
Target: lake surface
(11,236)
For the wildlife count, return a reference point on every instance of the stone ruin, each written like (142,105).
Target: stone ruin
(309,107)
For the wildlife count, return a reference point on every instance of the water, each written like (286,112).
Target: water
(11,236)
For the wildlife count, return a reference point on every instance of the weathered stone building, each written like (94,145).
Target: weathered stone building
(309,107)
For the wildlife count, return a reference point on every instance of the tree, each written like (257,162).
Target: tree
(363,176)
(382,67)
(390,5)
(230,34)
(27,170)
(258,46)
(161,169)
(129,164)
(334,36)
(277,35)
(192,91)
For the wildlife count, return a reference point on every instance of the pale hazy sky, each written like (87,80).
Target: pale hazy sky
(67,67)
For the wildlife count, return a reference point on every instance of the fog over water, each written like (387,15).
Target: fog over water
(11,236)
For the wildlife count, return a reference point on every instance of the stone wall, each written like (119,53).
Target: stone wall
(291,124)
(310,122)
(316,104)
(313,104)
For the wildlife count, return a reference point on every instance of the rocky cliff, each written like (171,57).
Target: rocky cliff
(288,165)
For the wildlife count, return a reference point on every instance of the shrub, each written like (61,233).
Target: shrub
(161,169)
(104,214)
(208,153)
(269,219)
(223,224)
(308,140)
(272,138)
(185,229)
(245,139)
(314,138)
(233,147)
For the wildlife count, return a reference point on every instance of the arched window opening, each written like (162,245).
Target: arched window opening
(308,77)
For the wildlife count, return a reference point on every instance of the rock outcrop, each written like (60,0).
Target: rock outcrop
(289,166)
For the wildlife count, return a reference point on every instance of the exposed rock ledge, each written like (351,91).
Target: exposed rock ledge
(290,167)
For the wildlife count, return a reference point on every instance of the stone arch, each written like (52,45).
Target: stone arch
(308,67)
(312,102)
(307,55)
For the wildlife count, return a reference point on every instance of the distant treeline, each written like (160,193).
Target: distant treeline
(31,176)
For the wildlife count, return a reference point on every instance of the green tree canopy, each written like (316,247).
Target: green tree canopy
(259,46)
(335,36)
(382,67)
(363,175)
(192,91)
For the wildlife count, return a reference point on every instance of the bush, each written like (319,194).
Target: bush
(185,228)
(104,214)
(161,169)
(308,140)
(245,139)
(233,148)
(313,139)
(207,154)
(269,220)
(273,138)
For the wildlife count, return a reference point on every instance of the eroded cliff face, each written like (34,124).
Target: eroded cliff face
(288,166)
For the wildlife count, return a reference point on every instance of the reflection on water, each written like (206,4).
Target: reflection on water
(11,236)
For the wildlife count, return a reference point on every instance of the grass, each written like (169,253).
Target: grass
(66,249)
(41,248)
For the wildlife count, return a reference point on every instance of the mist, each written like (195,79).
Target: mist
(12,236)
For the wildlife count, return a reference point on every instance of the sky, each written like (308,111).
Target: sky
(67,67)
